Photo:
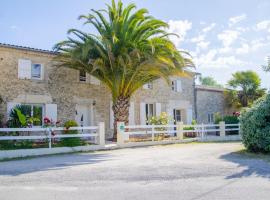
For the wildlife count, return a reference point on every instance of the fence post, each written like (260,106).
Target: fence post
(180,128)
(120,132)
(101,129)
(202,131)
(222,129)
(152,132)
(50,137)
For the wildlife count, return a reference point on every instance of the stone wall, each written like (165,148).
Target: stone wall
(209,101)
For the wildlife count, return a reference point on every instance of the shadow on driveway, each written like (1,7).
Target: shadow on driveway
(48,163)
(254,166)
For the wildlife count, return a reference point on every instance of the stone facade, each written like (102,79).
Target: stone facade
(62,87)
(209,101)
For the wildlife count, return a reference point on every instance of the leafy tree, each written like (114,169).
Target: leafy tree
(245,87)
(209,81)
(130,49)
(266,68)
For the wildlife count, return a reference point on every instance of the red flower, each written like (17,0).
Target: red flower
(47,120)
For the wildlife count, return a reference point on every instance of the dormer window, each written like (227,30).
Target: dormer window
(148,86)
(82,76)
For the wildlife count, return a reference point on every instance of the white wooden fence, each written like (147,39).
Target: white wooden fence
(51,133)
(158,133)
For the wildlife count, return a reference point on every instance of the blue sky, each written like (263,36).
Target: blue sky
(223,36)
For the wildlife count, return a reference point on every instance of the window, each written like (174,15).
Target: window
(148,86)
(36,71)
(35,111)
(177,115)
(150,110)
(211,118)
(82,76)
(176,86)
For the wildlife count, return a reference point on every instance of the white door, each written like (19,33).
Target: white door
(83,115)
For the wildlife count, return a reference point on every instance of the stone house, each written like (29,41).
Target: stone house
(29,76)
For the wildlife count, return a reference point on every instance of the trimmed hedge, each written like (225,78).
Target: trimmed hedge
(255,126)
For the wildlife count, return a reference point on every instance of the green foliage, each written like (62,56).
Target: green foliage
(163,119)
(70,142)
(209,81)
(245,89)
(255,125)
(20,117)
(228,119)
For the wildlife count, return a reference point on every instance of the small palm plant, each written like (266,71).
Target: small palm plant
(129,50)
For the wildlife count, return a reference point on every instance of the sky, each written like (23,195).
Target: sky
(223,36)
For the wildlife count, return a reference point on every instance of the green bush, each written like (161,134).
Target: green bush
(255,126)
(71,142)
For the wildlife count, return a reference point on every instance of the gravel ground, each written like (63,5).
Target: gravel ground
(186,171)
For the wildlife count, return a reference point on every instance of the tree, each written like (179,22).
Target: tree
(266,68)
(209,81)
(245,88)
(130,49)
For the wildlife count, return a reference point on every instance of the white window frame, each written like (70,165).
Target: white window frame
(211,118)
(40,72)
(175,87)
(147,114)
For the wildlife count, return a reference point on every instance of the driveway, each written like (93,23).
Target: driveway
(205,171)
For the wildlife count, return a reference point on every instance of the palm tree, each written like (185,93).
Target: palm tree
(129,50)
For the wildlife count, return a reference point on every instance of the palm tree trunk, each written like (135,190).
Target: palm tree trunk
(121,112)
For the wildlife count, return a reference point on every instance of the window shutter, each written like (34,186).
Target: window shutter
(189,116)
(51,111)
(131,114)
(94,80)
(24,69)
(158,109)
(111,116)
(142,114)
(42,72)
(10,106)
(178,85)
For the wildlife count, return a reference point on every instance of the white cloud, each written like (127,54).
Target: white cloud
(199,38)
(244,49)
(180,27)
(237,19)
(209,28)
(228,37)
(203,44)
(263,25)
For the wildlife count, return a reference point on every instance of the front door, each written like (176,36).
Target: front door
(83,115)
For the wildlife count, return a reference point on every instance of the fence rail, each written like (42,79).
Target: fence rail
(179,131)
(51,133)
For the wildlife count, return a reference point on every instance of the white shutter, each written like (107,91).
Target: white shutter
(10,106)
(111,116)
(178,85)
(131,114)
(189,116)
(51,111)
(142,114)
(94,80)
(42,72)
(158,109)
(24,69)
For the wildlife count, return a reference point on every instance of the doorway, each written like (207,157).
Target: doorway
(83,115)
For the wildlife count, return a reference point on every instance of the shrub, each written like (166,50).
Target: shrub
(255,126)
(71,142)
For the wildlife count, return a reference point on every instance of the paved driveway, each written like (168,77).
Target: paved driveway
(190,171)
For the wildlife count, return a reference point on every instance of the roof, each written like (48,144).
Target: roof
(209,88)
(27,48)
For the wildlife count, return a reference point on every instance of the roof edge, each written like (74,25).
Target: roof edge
(28,48)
